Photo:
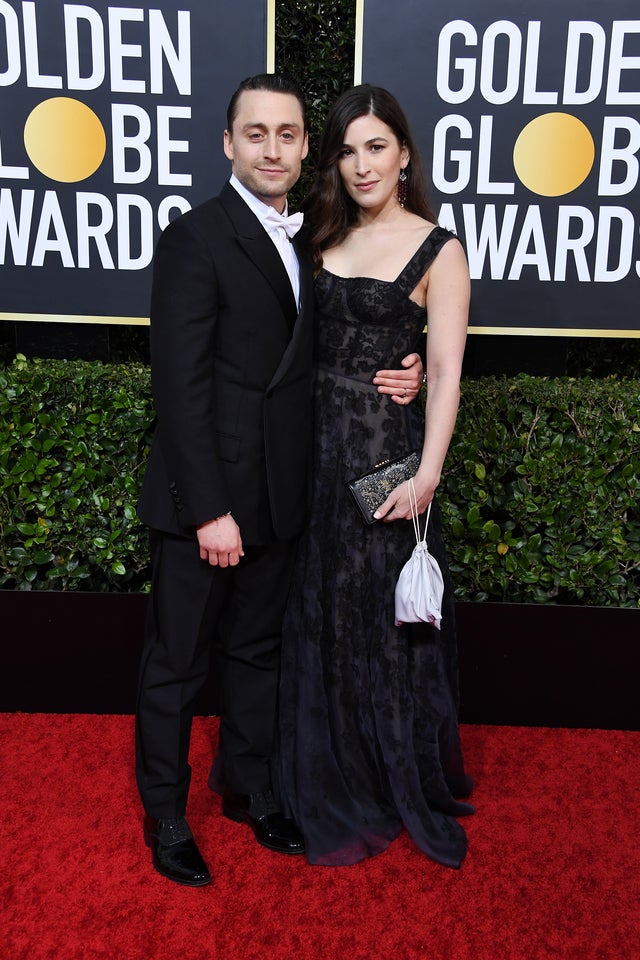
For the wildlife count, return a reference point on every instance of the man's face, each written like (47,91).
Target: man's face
(267,144)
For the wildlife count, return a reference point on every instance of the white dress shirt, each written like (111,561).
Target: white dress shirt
(277,233)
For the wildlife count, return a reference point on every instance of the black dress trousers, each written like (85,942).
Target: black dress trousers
(197,611)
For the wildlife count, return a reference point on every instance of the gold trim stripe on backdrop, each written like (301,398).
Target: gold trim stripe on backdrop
(552,332)
(486,331)
(357,55)
(73,318)
(271,36)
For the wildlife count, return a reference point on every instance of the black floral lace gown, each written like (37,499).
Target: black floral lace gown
(368,711)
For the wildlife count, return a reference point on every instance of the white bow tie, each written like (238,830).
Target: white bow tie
(290,225)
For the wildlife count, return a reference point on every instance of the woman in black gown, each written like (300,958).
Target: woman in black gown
(368,729)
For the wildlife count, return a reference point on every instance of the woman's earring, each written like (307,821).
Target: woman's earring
(402,188)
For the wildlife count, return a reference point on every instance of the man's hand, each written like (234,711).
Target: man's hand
(220,542)
(402,385)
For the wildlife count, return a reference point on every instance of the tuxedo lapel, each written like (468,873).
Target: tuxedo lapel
(260,249)
(305,319)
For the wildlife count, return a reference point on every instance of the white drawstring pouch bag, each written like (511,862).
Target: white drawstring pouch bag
(420,586)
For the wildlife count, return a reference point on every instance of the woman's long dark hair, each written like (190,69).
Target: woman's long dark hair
(329,210)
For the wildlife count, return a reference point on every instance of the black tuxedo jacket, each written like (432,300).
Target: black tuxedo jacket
(231,369)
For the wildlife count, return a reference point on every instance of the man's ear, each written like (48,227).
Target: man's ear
(305,149)
(228,145)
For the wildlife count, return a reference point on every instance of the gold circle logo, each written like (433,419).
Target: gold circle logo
(554,154)
(64,139)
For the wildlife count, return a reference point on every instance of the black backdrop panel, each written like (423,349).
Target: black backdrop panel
(111,121)
(527,116)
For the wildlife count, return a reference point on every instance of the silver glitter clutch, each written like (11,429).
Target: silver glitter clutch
(373,488)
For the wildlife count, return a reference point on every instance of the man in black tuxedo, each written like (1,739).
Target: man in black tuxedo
(226,487)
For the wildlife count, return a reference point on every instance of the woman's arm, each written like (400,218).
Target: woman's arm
(447,302)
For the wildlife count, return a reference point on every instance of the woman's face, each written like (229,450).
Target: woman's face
(370,162)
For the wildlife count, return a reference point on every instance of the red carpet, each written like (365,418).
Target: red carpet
(553,871)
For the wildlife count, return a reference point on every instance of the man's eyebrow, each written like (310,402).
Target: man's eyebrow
(293,125)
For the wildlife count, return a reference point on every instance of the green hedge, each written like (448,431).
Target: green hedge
(73,440)
(539,495)
(541,491)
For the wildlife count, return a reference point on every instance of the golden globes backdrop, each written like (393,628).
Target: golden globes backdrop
(527,116)
(111,121)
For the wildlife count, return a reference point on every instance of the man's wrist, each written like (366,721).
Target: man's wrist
(206,523)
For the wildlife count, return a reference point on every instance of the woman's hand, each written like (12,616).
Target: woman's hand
(397,506)
(402,385)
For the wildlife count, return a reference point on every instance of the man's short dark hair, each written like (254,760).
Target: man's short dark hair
(271,82)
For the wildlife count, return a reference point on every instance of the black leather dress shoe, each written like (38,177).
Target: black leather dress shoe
(271,828)
(174,851)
